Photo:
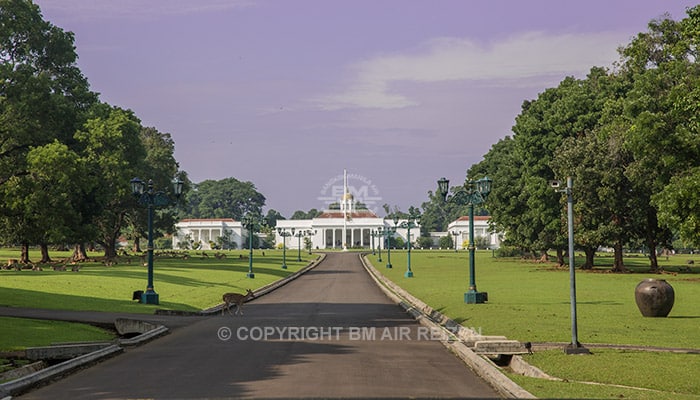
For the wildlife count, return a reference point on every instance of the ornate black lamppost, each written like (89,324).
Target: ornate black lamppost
(299,235)
(471,193)
(152,199)
(388,232)
(283,232)
(251,221)
(380,233)
(413,221)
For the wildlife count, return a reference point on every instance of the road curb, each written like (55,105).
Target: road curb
(433,319)
(21,385)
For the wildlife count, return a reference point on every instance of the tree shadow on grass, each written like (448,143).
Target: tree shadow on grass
(597,303)
(37,299)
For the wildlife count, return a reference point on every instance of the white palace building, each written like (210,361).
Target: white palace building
(343,228)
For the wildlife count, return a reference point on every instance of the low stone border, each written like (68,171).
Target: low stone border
(145,337)
(433,319)
(22,371)
(84,354)
(21,385)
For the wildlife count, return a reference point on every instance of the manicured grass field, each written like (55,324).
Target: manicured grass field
(530,302)
(527,301)
(190,285)
(20,333)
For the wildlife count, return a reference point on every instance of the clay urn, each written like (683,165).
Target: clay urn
(654,297)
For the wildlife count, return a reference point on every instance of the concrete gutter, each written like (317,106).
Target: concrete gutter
(145,337)
(22,371)
(80,355)
(433,319)
(21,385)
(64,351)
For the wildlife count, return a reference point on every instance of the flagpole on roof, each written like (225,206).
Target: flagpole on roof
(344,205)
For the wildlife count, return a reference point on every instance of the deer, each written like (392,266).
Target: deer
(237,299)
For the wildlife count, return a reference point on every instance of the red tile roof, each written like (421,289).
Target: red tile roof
(208,220)
(354,214)
(476,218)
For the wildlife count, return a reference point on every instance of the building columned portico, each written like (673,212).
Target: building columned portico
(202,233)
(335,229)
(481,229)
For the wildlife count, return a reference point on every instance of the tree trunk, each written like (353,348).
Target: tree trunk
(560,257)
(618,263)
(653,261)
(544,257)
(110,250)
(45,258)
(79,253)
(24,257)
(137,244)
(590,255)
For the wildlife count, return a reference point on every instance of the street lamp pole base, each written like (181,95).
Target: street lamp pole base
(408,274)
(284,266)
(576,349)
(474,297)
(149,297)
(389,266)
(250,275)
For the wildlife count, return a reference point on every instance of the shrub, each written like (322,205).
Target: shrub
(446,242)
(508,251)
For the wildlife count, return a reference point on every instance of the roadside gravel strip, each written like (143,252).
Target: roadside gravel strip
(426,316)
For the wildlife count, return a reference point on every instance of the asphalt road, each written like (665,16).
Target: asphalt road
(330,333)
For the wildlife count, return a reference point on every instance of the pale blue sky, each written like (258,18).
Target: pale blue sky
(288,93)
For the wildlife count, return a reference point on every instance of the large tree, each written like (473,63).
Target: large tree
(114,153)
(661,110)
(43,99)
(522,203)
(43,94)
(161,168)
(603,205)
(226,198)
(43,207)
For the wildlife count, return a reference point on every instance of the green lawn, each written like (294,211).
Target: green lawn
(20,333)
(190,285)
(530,302)
(527,301)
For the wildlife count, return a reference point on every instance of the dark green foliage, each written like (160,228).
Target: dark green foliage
(225,198)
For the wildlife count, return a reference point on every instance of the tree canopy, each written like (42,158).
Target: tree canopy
(628,137)
(225,198)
